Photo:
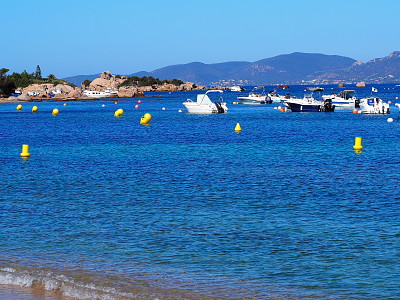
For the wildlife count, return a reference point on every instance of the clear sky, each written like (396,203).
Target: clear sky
(71,37)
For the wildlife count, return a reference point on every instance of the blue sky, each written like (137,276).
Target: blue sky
(72,37)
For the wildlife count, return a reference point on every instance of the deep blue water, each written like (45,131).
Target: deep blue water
(187,207)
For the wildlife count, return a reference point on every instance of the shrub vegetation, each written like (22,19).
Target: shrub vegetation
(146,81)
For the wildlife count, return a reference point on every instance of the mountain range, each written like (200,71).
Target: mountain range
(294,68)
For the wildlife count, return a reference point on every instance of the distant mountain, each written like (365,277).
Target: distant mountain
(291,68)
(78,79)
(197,72)
(294,68)
(378,70)
(287,68)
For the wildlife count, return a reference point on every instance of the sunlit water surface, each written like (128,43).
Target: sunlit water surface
(185,208)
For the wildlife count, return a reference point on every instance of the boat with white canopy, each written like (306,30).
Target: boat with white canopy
(204,105)
(343,100)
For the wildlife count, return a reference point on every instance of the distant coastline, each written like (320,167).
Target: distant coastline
(295,68)
(106,86)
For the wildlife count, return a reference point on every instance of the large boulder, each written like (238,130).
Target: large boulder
(107,81)
(75,94)
(106,75)
(129,92)
(24,97)
(167,87)
(64,88)
(188,86)
(47,88)
(360,84)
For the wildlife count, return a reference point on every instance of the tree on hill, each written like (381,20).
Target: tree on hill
(146,81)
(7,86)
(86,83)
(51,77)
(22,80)
(38,74)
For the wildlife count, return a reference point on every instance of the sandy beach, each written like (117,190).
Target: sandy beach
(10,292)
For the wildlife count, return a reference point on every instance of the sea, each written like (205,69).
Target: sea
(187,208)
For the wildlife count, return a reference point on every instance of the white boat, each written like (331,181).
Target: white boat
(275,97)
(33,93)
(256,96)
(204,105)
(374,105)
(111,92)
(56,92)
(99,94)
(236,88)
(315,89)
(344,100)
(309,104)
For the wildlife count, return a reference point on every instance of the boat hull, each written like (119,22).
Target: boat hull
(96,94)
(195,108)
(255,100)
(310,107)
(297,107)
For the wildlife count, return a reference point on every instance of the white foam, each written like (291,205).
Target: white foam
(60,283)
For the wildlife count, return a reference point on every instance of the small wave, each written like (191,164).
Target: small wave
(58,284)
(84,285)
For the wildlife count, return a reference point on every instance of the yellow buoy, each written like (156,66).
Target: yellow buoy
(357,144)
(55,112)
(25,151)
(238,128)
(119,112)
(34,109)
(19,107)
(145,119)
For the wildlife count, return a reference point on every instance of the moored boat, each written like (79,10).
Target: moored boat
(236,88)
(374,105)
(344,100)
(275,97)
(204,105)
(99,94)
(256,96)
(309,104)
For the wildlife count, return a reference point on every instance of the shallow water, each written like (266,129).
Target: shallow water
(186,208)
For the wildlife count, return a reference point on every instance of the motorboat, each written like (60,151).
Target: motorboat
(374,105)
(99,94)
(256,96)
(111,92)
(315,89)
(344,100)
(33,93)
(275,97)
(204,105)
(309,104)
(236,88)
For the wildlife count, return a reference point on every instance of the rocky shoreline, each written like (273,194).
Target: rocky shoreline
(106,82)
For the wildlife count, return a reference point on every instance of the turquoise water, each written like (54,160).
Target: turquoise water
(186,207)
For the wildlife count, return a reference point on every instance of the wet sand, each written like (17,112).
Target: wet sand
(11,292)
